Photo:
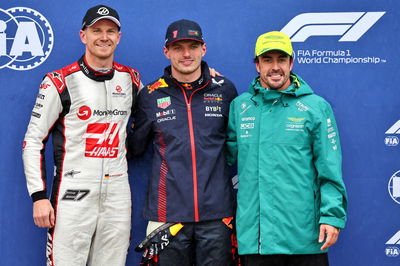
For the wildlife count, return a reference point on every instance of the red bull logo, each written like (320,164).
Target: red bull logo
(158,84)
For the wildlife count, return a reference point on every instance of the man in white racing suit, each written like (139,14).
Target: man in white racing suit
(86,107)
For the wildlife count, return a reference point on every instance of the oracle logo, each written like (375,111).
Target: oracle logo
(84,112)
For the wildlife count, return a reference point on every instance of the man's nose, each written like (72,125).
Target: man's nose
(186,52)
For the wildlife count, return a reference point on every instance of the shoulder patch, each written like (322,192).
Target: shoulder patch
(158,84)
(58,79)
(58,76)
(135,76)
(218,83)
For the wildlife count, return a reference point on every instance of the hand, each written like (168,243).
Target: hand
(332,234)
(214,73)
(43,213)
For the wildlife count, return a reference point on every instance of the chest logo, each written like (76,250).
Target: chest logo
(295,119)
(164,102)
(301,106)
(84,112)
(102,140)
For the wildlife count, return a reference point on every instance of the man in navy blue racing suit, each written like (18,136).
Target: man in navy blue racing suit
(184,114)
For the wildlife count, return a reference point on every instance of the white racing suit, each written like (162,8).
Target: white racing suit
(87,114)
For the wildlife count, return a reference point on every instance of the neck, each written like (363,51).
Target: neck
(99,62)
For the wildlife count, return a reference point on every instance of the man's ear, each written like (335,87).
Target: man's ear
(82,35)
(166,52)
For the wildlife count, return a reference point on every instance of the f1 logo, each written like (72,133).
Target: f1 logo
(350,25)
(395,239)
(395,129)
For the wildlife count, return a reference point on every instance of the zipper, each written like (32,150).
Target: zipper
(192,146)
(272,105)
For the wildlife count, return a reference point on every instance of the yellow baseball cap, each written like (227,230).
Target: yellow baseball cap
(273,40)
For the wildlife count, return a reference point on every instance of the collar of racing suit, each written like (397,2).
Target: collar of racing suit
(205,76)
(93,74)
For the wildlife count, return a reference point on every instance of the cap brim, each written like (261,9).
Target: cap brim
(269,50)
(183,39)
(116,21)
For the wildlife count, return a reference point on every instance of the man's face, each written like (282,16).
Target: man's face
(185,57)
(274,68)
(101,39)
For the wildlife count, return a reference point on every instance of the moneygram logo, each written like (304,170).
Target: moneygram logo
(349,25)
(394,187)
(393,140)
(26,38)
(84,112)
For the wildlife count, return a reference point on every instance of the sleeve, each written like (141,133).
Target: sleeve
(45,113)
(328,162)
(140,135)
(231,139)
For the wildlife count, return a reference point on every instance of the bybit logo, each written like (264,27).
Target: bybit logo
(350,25)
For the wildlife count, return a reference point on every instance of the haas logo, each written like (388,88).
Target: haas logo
(84,113)
(102,140)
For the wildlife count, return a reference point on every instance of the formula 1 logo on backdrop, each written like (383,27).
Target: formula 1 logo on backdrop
(393,140)
(26,38)
(393,251)
(394,187)
(350,25)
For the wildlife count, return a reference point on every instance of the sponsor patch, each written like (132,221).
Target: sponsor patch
(36,114)
(71,173)
(246,125)
(193,32)
(213,111)
(295,124)
(301,106)
(295,119)
(102,140)
(44,86)
(244,107)
(164,102)
(38,105)
(165,113)
(219,83)
(118,92)
(84,112)
(212,98)
(168,118)
(158,84)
